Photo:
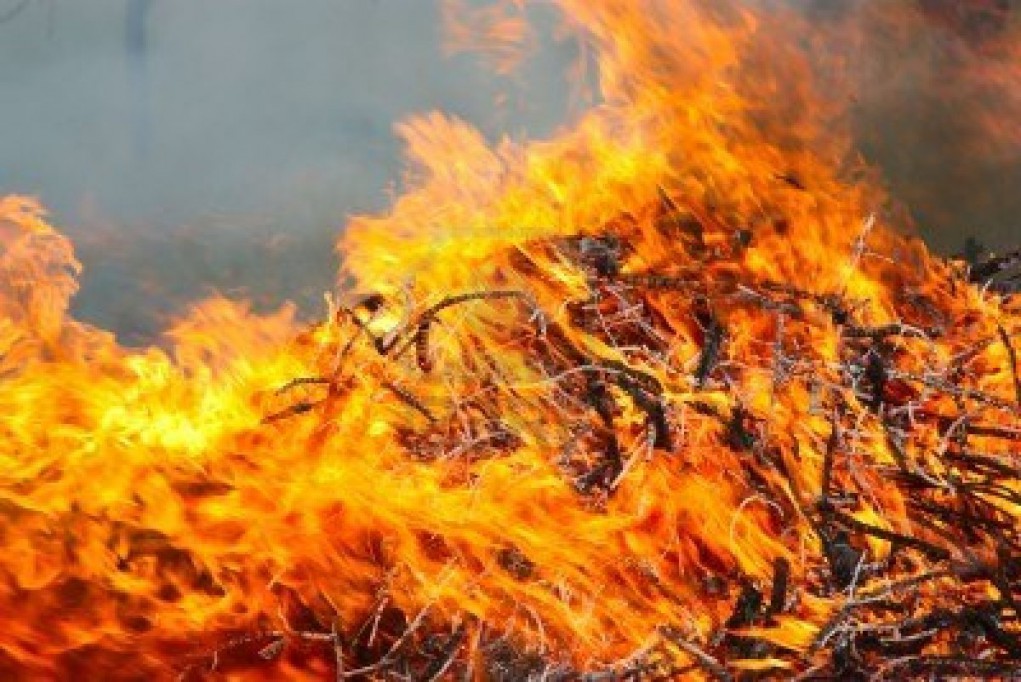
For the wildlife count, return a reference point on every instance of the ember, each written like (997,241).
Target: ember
(665,396)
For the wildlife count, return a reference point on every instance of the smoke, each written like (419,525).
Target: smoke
(193,145)
(224,146)
(937,106)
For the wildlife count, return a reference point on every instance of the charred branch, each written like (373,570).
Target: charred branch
(1012,358)
(982,272)
(778,595)
(708,663)
(712,345)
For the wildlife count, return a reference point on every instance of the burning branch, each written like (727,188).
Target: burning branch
(681,426)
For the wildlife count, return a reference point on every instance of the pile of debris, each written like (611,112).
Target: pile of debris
(901,553)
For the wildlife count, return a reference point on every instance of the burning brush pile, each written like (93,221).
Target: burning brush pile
(666,396)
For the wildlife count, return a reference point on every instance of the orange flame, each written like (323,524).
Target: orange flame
(584,401)
(499,32)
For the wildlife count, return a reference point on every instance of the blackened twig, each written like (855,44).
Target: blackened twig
(302,381)
(870,597)
(297,408)
(992,463)
(709,664)
(439,667)
(421,340)
(887,330)
(832,444)
(791,180)
(952,664)
(409,400)
(993,266)
(1012,357)
(974,428)
(852,523)
(714,335)
(778,595)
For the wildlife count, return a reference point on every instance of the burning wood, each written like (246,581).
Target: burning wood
(619,406)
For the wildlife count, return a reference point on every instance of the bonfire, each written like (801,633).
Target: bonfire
(667,396)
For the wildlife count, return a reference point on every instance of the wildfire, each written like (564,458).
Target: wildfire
(665,395)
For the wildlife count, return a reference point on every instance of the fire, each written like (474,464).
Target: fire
(665,395)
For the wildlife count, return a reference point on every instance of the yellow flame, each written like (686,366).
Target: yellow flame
(262,479)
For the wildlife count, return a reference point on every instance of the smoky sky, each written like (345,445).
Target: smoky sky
(190,146)
(222,147)
(220,105)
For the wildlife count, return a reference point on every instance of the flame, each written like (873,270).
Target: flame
(583,405)
(497,32)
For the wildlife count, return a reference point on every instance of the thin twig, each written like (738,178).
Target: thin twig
(1012,357)
(707,662)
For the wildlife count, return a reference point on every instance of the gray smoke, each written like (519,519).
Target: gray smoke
(223,146)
